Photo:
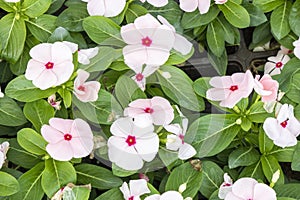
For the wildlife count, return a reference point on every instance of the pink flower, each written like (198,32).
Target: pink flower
(230,89)
(68,138)
(156,3)
(157,110)
(106,8)
(52,101)
(277,63)
(174,195)
(202,5)
(175,142)
(283,129)
(135,190)
(266,87)
(142,73)
(250,189)
(181,44)
(85,91)
(297,48)
(130,145)
(148,41)
(3,151)
(226,187)
(51,65)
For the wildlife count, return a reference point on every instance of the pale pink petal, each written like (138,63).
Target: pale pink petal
(114,8)
(247,84)
(220,1)
(203,6)
(34,69)
(269,67)
(81,129)
(141,103)
(164,21)
(73,46)
(135,55)
(277,58)
(231,196)
(96,7)
(143,120)
(188,5)
(294,126)
(60,151)
(244,188)
(125,190)
(135,111)
(122,127)
(62,125)
(221,82)
(158,3)
(89,53)
(284,113)
(82,76)
(150,69)
(173,142)
(41,52)
(223,191)
(275,71)
(285,59)
(182,45)
(174,195)
(63,71)
(263,192)
(286,139)
(51,135)
(45,80)
(138,187)
(147,148)
(297,52)
(142,132)
(130,34)
(81,147)
(146,25)
(153,197)
(157,55)
(163,38)
(271,128)
(217,94)
(91,92)
(186,151)
(61,53)
(174,128)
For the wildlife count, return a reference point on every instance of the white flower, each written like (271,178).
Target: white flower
(3,150)
(226,187)
(181,44)
(12,1)
(131,145)
(84,55)
(276,63)
(297,48)
(175,142)
(106,8)
(170,195)
(142,74)
(135,190)
(156,3)
(52,101)
(283,129)
(1,93)
(51,65)
(148,42)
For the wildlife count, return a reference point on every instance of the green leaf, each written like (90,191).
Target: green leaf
(72,18)
(265,143)
(12,37)
(185,174)
(20,66)
(218,62)
(104,58)
(10,113)
(23,90)
(8,184)
(55,6)
(288,190)
(212,178)
(5,72)
(296,159)
(280,20)
(38,113)
(257,113)
(8,7)
(270,165)
(30,184)
(56,175)
(178,87)
(294,17)
(31,141)
(257,16)
(77,193)
(103,30)
(127,91)
(35,8)
(243,156)
(212,133)
(60,34)
(118,171)
(235,14)
(268,5)
(66,95)
(102,111)
(115,193)
(261,35)
(134,11)
(42,27)
(215,38)
(283,154)
(99,177)
(167,156)
(231,33)
(195,19)
(254,171)
(177,58)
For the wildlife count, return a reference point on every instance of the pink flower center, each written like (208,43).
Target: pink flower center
(146,41)
(139,77)
(279,65)
(81,88)
(131,198)
(148,110)
(234,88)
(49,65)
(130,141)
(182,138)
(226,185)
(284,124)
(68,137)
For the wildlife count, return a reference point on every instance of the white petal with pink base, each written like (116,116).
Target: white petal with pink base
(131,145)
(135,190)
(67,138)
(226,186)
(142,73)
(50,65)
(276,63)
(85,91)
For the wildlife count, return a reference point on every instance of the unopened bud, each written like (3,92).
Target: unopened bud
(182,188)
(238,121)
(275,178)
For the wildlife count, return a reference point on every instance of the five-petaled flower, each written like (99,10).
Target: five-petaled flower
(202,5)
(148,42)
(3,151)
(106,8)
(276,63)
(266,87)
(230,89)
(157,110)
(67,138)
(283,129)
(85,91)
(156,3)
(130,144)
(175,141)
(51,65)
(135,190)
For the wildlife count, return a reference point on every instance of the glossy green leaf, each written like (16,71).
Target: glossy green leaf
(215,38)
(77,193)
(8,7)
(294,17)
(10,113)
(257,113)
(134,11)
(257,15)
(219,63)
(243,156)
(270,165)
(8,184)
(283,154)
(296,159)
(254,171)
(231,33)
(268,5)
(115,193)
(265,143)
(35,8)
(288,190)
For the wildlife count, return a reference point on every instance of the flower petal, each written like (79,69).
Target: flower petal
(135,55)
(130,34)
(231,196)
(62,125)
(138,187)
(45,80)
(114,8)
(146,25)
(174,195)
(158,3)
(125,190)
(188,5)
(147,148)
(34,69)
(60,151)
(263,192)
(42,52)
(182,45)
(122,127)
(61,53)
(51,134)
(96,7)
(186,151)
(244,188)
(203,6)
